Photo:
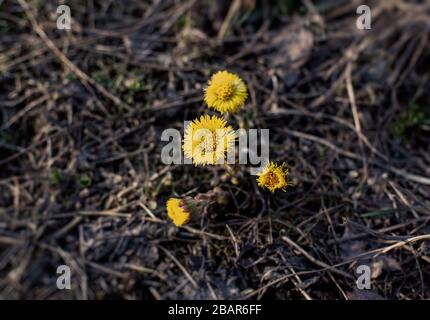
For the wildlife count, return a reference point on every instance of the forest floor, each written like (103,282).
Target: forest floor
(82,183)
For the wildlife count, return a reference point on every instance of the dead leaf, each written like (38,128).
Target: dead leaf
(377,267)
(384,263)
(351,248)
(358,294)
(293,46)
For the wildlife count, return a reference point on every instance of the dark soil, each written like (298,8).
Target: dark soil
(82,182)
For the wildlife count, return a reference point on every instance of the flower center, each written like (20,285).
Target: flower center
(225,91)
(207,144)
(272,179)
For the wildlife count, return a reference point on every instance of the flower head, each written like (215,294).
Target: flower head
(208,139)
(273,177)
(187,209)
(226,92)
(178,212)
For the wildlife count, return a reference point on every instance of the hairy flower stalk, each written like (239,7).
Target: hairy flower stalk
(188,209)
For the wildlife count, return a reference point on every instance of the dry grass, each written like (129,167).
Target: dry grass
(82,182)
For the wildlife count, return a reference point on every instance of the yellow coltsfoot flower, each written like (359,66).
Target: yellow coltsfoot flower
(178,212)
(273,177)
(226,92)
(188,210)
(207,140)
